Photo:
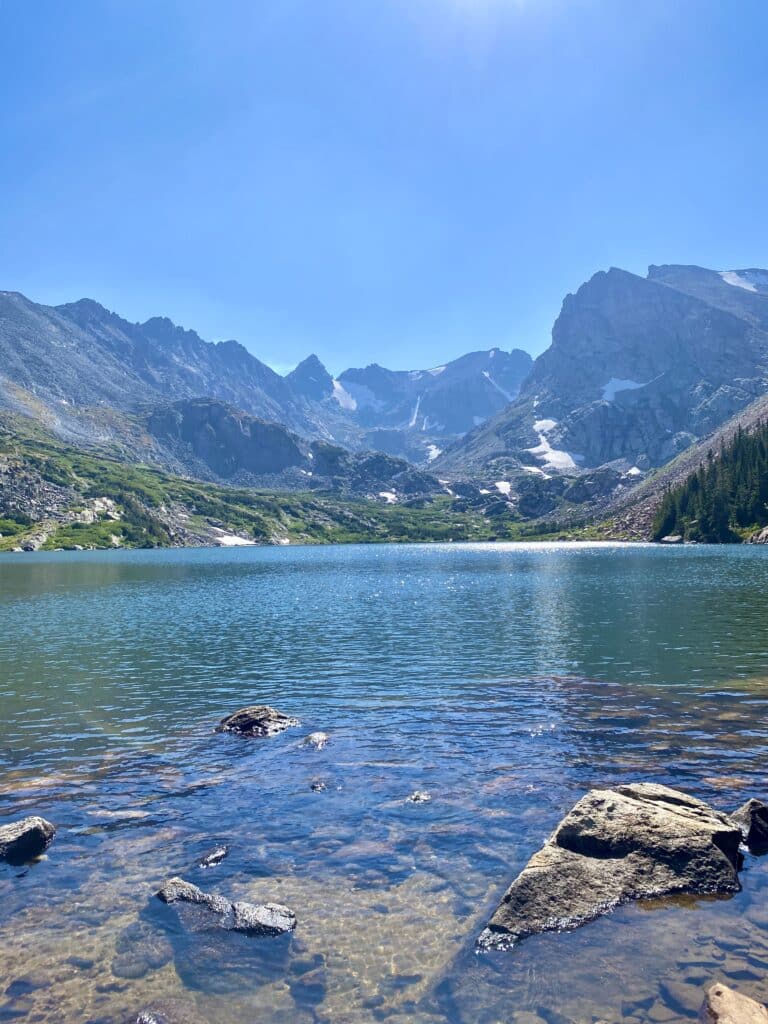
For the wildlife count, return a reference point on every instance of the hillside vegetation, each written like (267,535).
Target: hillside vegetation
(726,499)
(53,496)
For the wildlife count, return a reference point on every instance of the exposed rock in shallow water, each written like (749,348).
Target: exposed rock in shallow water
(419,796)
(213,858)
(316,739)
(724,1006)
(257,720)
(250,918)
(266,919)
(22,841)
(633,842)
(752,818)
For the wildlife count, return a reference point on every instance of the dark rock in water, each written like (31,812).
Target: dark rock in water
(752,819)
(250,918)
(724,1006)
(176,890)
(257,720)
(633,842)
(24,840)
(319,786)
(214,857)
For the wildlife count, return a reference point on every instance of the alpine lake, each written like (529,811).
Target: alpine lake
(503,680)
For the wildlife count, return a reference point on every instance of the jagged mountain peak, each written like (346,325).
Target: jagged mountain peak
(311,379)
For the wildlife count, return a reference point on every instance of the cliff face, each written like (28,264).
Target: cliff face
(637,370)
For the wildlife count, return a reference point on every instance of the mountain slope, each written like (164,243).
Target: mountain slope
(636,371)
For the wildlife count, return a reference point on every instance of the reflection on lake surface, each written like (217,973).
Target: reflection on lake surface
(504,680)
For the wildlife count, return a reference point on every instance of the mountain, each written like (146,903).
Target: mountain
(81,370)
(214,441)
(638,369)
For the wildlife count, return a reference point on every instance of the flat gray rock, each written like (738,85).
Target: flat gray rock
(266,919)
(633,842)
(257,720)
(24,840)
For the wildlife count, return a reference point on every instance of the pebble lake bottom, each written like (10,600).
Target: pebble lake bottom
(503,680)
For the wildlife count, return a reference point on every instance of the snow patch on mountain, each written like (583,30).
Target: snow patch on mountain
(738,280)
(343,397)
(498,387)
(552,458)
(617,384)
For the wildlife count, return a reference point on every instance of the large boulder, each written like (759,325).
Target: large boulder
(257,720)
(633,842)
(724,1006)
(250,918)
(24,840)
(752,818)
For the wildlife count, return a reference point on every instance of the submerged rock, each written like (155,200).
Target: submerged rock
(752,819)
(724,1006)
(210,860)
(24,840)
(316,739)
(633,842)
(257,720)
(250,918)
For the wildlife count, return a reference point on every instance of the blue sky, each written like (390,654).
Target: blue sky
(397,181)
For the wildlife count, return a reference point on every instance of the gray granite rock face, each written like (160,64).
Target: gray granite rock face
(633,842)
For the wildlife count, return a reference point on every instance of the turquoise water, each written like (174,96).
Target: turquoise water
(504,680)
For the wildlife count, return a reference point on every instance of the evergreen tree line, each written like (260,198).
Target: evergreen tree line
(725,499)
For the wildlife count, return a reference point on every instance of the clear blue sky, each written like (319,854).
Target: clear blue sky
(374,180)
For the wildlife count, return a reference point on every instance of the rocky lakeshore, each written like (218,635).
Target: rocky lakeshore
(635,842)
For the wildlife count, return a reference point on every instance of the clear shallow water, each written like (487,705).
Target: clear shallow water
(505,680)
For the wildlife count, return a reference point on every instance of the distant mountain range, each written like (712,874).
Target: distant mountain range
(91,376)
(639,370)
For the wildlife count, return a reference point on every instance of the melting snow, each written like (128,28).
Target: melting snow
(432,450)
(343,397)
(500,389)
(634,472)
(552,457)
(737,280)
(537,471)
(615,385)
(389,496)
(415,413)
(503,486)
(436,370)
(231,540)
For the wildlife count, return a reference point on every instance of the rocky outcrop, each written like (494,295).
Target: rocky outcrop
(752,819)
(633,842)
(257,720)
(249,918)
(724,1006)
(637,370)
(24,840)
